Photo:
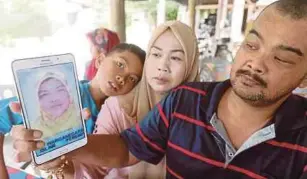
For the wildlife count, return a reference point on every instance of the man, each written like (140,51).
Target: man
(249,127)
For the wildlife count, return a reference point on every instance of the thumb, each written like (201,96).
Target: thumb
(15,107)
(86,113)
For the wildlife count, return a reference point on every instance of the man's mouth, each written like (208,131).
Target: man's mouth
(251,79)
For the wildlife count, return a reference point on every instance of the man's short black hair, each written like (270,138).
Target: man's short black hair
(295,9)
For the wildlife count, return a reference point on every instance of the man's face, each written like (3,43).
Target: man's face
(272,60)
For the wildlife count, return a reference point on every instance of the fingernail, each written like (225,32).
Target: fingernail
(63,157)
(40,145)
(11,105)
(87,111)
(37,134)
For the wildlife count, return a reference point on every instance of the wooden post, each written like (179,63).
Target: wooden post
(197,17)
(161,12)
(118,18)
(192,5)
(221,17)
(250,17)
(237,20)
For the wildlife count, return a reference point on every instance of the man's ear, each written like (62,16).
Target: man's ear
(303,83)
(99,60)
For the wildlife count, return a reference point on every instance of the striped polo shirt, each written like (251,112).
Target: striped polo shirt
(184,127)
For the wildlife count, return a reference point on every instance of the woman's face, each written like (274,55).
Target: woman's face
(165,66)
(53,97)
(95,51)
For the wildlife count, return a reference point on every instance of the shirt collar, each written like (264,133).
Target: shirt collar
(215,97)
(289,116)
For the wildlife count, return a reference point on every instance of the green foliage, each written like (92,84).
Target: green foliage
(150,7)
(23,18)
(171,10)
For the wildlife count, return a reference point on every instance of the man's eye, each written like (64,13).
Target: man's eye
(282,61)
(251,46)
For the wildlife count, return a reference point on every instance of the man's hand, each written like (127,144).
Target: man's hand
(26,141)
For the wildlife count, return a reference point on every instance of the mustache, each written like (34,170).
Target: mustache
(254,76)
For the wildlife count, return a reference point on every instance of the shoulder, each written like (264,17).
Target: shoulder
(85,94)
(193,89)
(294,117)
(113,107)
(297,105)
(301,100)
(6,101)
(196,87)
(84,88)
(112,118)
(112,102)
(84,85)
(126,102)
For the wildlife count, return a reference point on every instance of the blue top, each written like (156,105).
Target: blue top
(8,118)
(181,128)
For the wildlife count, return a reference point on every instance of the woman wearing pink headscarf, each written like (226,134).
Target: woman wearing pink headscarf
(102,41)
(57,108)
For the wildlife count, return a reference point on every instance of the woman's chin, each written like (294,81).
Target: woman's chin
(56,114)
(161,89)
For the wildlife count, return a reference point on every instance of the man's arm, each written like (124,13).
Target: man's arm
(146,141)
(3,172)
(105,150)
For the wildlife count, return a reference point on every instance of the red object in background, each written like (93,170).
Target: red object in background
(19,174)
(104,40)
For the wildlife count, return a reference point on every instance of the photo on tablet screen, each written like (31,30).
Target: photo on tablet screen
(51,104)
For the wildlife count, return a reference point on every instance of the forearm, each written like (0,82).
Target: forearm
(69,170)
(3,172)
(104,150)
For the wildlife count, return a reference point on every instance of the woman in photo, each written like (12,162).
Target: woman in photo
(57,108)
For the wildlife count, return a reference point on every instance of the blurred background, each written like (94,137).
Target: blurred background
(32,28)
